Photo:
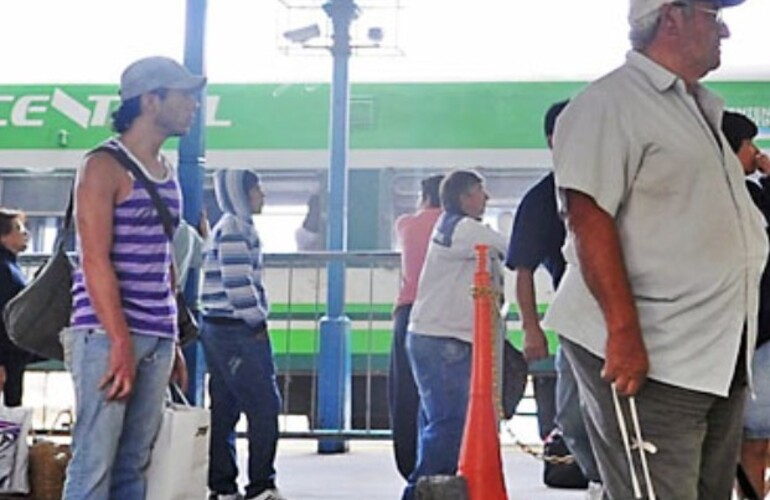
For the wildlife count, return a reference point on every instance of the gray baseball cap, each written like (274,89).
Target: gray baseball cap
(157,72)
(640,8)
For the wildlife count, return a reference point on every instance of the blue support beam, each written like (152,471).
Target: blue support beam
(192,151)
(334,364)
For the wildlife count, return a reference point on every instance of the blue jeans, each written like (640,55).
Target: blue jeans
(570,419)
(403,399)
(242,380)
(442,370)
(111,441)
(756,416)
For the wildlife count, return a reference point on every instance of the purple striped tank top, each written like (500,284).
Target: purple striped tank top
(141,257)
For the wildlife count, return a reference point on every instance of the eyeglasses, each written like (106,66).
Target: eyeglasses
(715,13)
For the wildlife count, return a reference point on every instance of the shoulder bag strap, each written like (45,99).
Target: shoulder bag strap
(61,237)
(160,205)
(131,166)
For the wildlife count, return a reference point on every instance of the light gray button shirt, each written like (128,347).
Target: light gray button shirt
(653,157)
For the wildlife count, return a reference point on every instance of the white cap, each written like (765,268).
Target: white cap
(157,72)
(640,8)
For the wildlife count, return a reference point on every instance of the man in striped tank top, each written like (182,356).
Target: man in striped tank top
(234,337)
(121,346)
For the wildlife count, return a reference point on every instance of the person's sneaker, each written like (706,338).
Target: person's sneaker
(595,491)
(271,494)
(225,496)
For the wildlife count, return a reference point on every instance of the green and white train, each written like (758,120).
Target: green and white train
(398,134)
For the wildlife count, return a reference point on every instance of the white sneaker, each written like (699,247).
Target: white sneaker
(595,491)
(271,494)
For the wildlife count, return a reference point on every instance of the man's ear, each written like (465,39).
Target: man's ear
(671,18)
(463,199)
(150,101)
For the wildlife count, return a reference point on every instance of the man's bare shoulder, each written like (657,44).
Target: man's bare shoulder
(101,171)
(100,163)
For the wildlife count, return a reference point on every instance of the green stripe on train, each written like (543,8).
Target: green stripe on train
(357,311)
(375,341)
(364,338)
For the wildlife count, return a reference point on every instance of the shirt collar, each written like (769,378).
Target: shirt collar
(662,79)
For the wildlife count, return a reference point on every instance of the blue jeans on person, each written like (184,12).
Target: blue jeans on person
(112,440)
(756,415)
(570,419)
(442,370)
(242,380)
(544,389)
(403,398)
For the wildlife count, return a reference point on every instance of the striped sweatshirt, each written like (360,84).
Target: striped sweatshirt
(141,257)
(232,262)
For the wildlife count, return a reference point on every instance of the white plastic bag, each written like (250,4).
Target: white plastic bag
(14,450)
(179,461)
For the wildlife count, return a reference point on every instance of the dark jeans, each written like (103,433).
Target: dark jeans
(242,380)
(697,435)
(570,419)
(14,383)
(442,369)
(544,388)
(403,398)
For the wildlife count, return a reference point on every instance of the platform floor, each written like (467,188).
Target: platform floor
(367,472)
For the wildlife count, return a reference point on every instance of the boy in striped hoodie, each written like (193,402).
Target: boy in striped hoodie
(236,343)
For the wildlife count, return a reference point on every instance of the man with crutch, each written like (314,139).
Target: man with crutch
(657,312)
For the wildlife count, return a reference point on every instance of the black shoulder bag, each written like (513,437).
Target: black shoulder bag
(36,315)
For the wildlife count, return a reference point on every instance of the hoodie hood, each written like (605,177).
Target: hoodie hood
(230,191)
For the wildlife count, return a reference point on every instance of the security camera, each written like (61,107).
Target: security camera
(375,34)
(302,35)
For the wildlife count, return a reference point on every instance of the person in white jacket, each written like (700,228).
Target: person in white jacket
(440,333)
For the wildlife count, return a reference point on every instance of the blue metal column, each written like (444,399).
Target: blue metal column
(334,365)
(192,150)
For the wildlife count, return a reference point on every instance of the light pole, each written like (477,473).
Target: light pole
(192,151)
(334,365)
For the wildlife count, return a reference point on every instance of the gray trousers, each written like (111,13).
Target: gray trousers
(697,434)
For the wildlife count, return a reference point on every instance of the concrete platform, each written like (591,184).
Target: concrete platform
(367,472)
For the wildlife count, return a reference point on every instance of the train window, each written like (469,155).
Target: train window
(277,226)
(42,232)
(41,193)
(499,219)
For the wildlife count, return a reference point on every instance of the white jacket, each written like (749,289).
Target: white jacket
(444,304)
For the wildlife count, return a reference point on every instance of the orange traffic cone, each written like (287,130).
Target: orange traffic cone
(480,462)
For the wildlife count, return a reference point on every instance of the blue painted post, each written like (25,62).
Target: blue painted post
(334,365)
(192,150)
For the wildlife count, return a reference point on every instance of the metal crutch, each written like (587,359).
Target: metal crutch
(639,443)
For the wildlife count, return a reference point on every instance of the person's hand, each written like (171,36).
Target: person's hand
(203,225)
(535,343)
(626,363)
(121,372)
(763,163)
(179,370)
(2,378)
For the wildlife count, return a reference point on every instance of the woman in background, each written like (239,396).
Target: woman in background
(13,360)
(740,132)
